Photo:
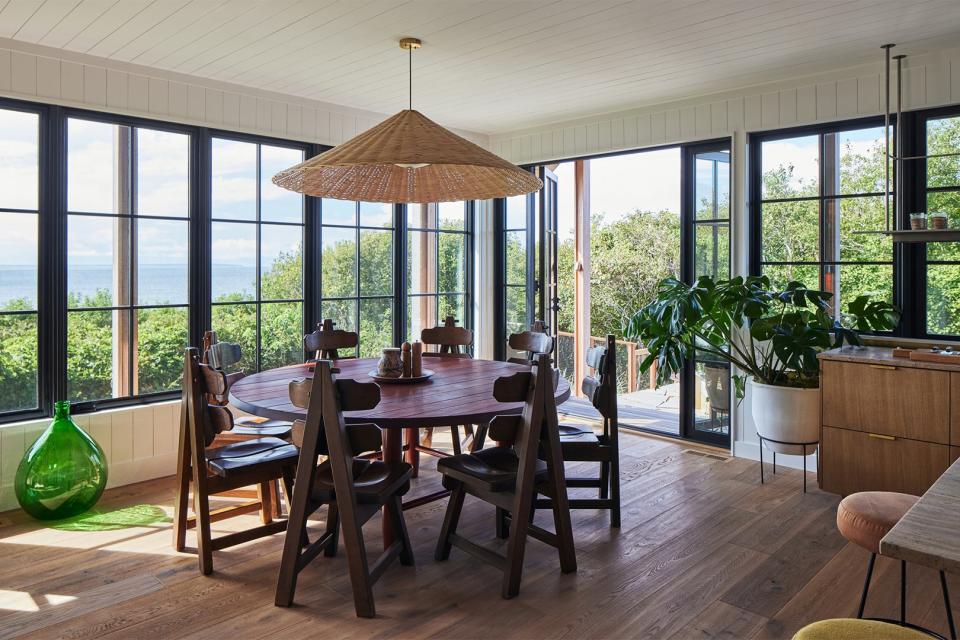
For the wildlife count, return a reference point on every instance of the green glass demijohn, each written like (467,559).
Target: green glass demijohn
(64,473)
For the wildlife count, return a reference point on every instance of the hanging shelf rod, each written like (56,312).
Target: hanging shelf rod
(894,230)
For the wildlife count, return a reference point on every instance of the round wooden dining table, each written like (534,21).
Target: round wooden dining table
(460,392)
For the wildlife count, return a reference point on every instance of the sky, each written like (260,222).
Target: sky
(648,180)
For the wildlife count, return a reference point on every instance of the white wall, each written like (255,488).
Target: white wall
(44,74)
(929,80)
(140,443)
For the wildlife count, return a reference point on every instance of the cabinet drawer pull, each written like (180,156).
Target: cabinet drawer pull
(878,436)
(885,367)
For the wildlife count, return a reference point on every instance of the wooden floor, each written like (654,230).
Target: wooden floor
(705,552)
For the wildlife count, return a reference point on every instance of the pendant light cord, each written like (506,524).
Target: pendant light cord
(410,78)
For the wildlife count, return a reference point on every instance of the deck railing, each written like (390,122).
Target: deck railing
(629,355)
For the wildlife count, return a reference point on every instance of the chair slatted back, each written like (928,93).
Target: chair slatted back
(221,356)
(532,343)
(350,396)
(601,387)
(325,342)
(523,432)
(205,419)
(448,338)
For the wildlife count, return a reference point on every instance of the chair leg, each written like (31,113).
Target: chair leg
(604,480)
(478,438)
(183,491)
(412,455)
(266,504)
(866,585)
(333,527)
(502,525)
(357,563)
(275,499)
(395,507)
(946,604)
(180,510)
(204,544)
(903,591)
(288,488)
(615,490)
(454,507)
(455,439)
(516,547)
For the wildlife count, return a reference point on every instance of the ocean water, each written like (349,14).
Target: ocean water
(158,284)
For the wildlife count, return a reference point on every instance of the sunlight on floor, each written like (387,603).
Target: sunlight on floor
(23,601)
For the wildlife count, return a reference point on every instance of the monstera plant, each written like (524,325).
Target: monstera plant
(772,337)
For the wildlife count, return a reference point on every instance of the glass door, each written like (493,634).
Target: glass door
(706,393)
(548,300)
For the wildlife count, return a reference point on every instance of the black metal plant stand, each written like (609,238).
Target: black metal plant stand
(796,444)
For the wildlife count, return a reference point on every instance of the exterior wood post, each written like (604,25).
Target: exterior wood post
(581,262)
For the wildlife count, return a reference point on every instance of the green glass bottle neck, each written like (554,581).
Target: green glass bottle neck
(61,410)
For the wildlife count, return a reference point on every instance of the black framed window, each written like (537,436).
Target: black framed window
(813,191)
(128,268)
(256,252)
(439,248)
(941,193)
(19,260)
(518,263)
(357,279)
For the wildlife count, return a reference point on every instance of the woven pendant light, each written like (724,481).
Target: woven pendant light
(408,158)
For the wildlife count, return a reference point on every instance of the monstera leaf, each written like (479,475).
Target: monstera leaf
(772,335)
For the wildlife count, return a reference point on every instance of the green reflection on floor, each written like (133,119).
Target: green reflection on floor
(141,515)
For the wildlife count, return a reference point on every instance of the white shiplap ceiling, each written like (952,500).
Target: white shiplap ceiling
(487,65)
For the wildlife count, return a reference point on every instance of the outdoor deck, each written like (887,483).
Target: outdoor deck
(654,409)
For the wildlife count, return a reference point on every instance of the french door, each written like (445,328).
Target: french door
(697,403)
(705,393)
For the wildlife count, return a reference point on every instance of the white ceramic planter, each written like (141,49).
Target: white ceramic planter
(787,414)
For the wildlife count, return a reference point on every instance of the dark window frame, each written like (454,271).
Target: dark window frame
(51,309)
(900,254)
(259,223)
(917,192)
(467,232)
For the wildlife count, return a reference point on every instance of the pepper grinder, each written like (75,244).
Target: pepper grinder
(417,369)
(407,359)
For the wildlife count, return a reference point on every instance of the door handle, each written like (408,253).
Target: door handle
(884,367)
(878,436)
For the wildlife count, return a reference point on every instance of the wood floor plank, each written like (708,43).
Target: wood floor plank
(705,551)
(721,621)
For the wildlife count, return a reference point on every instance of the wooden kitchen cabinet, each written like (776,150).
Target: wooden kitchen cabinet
(887,423)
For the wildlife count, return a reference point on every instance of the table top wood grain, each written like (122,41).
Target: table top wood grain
(929,534)
(460,392)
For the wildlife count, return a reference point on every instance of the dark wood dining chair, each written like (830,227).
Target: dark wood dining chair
(353,489)
(325,343)
(579,442)
(532,343)
(223,356)
(215,470)
(511,475)
(450,341)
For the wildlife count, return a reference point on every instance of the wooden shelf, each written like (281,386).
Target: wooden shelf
(925,235)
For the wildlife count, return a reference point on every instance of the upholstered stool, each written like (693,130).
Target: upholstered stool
(851,629)
(864,518)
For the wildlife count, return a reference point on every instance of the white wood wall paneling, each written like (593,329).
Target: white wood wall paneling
(928,81)
(58,80)
(140,443)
